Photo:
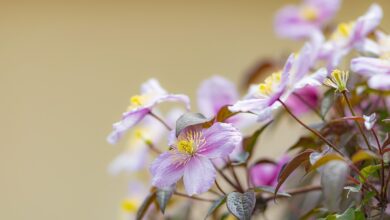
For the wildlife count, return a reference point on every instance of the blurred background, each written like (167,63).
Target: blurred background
(67,70)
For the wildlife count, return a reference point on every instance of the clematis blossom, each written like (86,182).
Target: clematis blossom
(350,35)
(301,21)
(266,174)
(377,68)
(141,105)
(191,154)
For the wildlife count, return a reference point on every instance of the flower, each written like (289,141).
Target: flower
(297,22)
(266,174)
(376,69)
(190,157)
(261,99)
(141,105)
(350,35)
(338,80)
(369,121)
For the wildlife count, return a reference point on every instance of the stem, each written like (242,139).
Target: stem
(219,187)
(227,179)
(357,123)
(152,147)
(235,175)
(193,197)
(310,129)
(160,120)
(297,191)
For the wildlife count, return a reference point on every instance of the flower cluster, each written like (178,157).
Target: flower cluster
(341,74)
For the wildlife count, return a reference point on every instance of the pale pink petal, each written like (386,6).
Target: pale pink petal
(369,66)
(167,169)
(221,140)
(380,82)
(152,86)
(199,175)
(249,105)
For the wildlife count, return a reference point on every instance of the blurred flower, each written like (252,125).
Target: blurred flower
(266,174)
(141,105)
(350,35)
(302,100)
(261,99)
(190,157)
(338,80)
(377,69)
(136,194)
(369,121)
(297,22)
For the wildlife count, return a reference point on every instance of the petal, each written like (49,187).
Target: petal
(249,105)
(215,93)
(221,140)
(173,98)
(167,169)
(128,161)
(368,66)
(325,8)
(264,174)
(366,23)
(314,79)
(380,82)
(302,99)
(152,86)
(129,119)
(199,175)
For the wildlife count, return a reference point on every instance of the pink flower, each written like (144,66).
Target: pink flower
(141,105)
(303,100)
(266,174)
(297,22)
(191,154)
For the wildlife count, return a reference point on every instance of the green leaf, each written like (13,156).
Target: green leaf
(217,203)
(189,119)
(291,166)
(163,196)
(324,160)
(271,190)
(241,205)
(249,143)
(145,205)
(363,155)
(327,102)
(369,171)
(349,214)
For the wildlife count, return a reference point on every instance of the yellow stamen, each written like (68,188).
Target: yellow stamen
(186,146)
(309,13)
(343,30)
(266,88)
(130,205)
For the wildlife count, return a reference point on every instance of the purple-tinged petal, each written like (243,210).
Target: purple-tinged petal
(266,114)
(366,23)
(128,161)
(199,175)
(326,9)
(152,86)
(263,174)
(221,140)
(299,101)
(129,119)
(314,79)
(283,81)
(380,82)
(368,46)
(174,98)
(215,93)
(167,169)
(249,105)
(368,66)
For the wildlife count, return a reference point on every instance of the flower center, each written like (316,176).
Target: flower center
(309,13)
(186,146)
(343,30)
(270,83)
(136,101)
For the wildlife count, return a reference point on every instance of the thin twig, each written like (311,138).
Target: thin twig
(160,120)
(193,197)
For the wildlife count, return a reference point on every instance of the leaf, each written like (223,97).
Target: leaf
(271,190)
(324,160)
(241,205)
(363,155)
(189,119)
(291,166)
(333,179)
(304,142)
(240,159)
(349,214)
(327,102)
(224,113)
(368,171)
(217,203)
(145,205)
(249,143)
(163,196)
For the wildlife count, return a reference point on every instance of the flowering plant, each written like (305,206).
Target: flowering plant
(340,169)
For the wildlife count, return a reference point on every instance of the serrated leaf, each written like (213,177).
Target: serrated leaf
(271,190)
(291,166)
(249,143)
(163,196)
(324,160)
(216,204)
(327,102)
(241,205)
(145,205)
(363,155)
(189,119)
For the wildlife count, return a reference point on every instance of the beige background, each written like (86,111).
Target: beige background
(68,68)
